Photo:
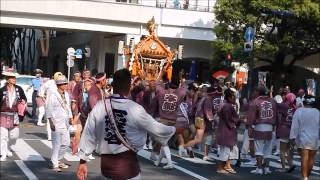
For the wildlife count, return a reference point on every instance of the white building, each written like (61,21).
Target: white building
(101,24)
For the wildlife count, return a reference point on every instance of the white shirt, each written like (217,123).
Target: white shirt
(59,111)
(12,97)
(47,87)
(305,128)
(135,121)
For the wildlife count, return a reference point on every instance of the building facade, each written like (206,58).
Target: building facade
(101,24)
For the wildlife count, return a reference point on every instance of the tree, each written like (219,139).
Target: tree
(18,46)
(283,28)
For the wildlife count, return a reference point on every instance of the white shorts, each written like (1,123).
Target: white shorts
(208,140)
(263,148)
(284,140)
(226,153)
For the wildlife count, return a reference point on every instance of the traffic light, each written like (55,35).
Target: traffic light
(180,51)
(229,57)
(248,46)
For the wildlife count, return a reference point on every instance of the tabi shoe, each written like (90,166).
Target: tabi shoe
(91,157)
(40,124)
(168,166)
(9,153)
(157,162)
(257,171)
(267,170)
(3,158)
(182,151)
(222,171)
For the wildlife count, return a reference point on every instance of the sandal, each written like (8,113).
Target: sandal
(222,171)
(232,171)
(63,165)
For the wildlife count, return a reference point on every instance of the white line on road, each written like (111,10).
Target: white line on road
(26,170)
(145,154)
(190,173)
(272,163)
(193,160)
(68,156)
(296,163)
(25,152)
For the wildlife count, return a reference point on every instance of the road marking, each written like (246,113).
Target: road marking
(190,173)
(297,163)
(146,154)
(193,160)
(35,139)
(26,170)
(25,152)
(272,163)
(68,156)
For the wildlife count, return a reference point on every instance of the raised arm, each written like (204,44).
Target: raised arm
(160,132)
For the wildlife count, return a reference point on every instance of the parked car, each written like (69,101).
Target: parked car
(24,81)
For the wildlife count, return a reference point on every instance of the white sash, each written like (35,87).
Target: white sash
(184,112)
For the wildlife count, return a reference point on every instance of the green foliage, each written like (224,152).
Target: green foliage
(283,27)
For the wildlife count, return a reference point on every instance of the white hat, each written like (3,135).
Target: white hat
(9,72)
(61,80)
(278,99)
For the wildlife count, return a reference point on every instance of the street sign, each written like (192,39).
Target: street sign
(248,46)
(249,34)
(78,53)
(70,63)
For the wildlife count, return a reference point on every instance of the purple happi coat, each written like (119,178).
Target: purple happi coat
(206,109)
(283,124)
(263,111)
(137,94)
(169,101)
(248,124)
(149,102)
(227,131)
(95,95)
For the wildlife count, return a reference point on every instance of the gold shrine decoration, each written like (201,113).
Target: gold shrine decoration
(148,55)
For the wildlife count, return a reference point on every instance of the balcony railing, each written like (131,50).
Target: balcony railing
(184,6)
(176,4)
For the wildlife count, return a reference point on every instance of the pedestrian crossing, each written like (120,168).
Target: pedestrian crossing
(24,152)
(274,161)
(68,156)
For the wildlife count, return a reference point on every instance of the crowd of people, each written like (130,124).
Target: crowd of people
(116,117)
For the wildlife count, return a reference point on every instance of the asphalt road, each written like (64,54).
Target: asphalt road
(31,160)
